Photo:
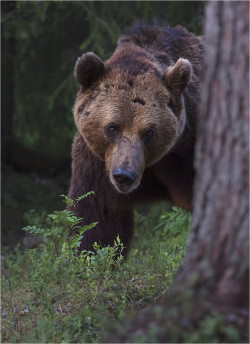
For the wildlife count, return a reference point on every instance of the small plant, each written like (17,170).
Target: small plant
(174,226)
(60,222)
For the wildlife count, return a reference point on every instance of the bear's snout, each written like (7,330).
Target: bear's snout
(125,165)
(124,177)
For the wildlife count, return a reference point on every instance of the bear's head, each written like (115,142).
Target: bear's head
(129,121)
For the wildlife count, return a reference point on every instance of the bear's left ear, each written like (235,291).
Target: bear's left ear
(88,69)
(177,77)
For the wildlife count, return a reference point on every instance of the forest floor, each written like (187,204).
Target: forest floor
(50,295)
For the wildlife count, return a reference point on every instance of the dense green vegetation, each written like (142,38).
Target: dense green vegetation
(51,294)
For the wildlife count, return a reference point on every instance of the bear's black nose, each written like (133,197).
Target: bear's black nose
(123,177)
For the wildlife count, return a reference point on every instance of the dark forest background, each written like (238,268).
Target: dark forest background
(40,44)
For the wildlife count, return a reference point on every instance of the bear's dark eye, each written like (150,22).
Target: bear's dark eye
(148,135)
(112,130)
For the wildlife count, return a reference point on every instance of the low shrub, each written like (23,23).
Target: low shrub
(54,294)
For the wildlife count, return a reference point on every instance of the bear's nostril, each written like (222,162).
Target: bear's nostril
(124,177)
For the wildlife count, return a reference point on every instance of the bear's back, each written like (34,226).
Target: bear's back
(166,44)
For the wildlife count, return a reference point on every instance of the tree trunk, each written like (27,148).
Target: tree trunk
(219,250)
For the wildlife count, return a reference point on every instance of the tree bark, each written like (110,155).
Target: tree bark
(218,249)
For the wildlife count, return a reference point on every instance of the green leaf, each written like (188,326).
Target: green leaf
(84,196)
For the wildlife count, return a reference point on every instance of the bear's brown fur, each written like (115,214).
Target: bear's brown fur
(136,120)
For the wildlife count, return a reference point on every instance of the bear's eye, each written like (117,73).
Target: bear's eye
(112,129)
(148,135)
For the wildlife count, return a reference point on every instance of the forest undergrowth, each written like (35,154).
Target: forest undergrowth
(51,294)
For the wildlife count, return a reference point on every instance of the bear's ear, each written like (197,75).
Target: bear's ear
(88,69)
(177,77)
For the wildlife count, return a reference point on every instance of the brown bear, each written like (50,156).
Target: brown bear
(136,120)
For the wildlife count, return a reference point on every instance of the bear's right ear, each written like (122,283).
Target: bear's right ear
(88,69)
(178,76)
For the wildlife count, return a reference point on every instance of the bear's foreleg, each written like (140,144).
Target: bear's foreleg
(111,225)
(113,213)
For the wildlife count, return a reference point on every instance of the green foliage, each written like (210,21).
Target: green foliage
(177,328)
(69,297)
(70,202)
(211,329)
(59,223)
(174,224)
(186,317)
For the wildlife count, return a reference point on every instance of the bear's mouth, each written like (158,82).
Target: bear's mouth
(124,180)
(123,188)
